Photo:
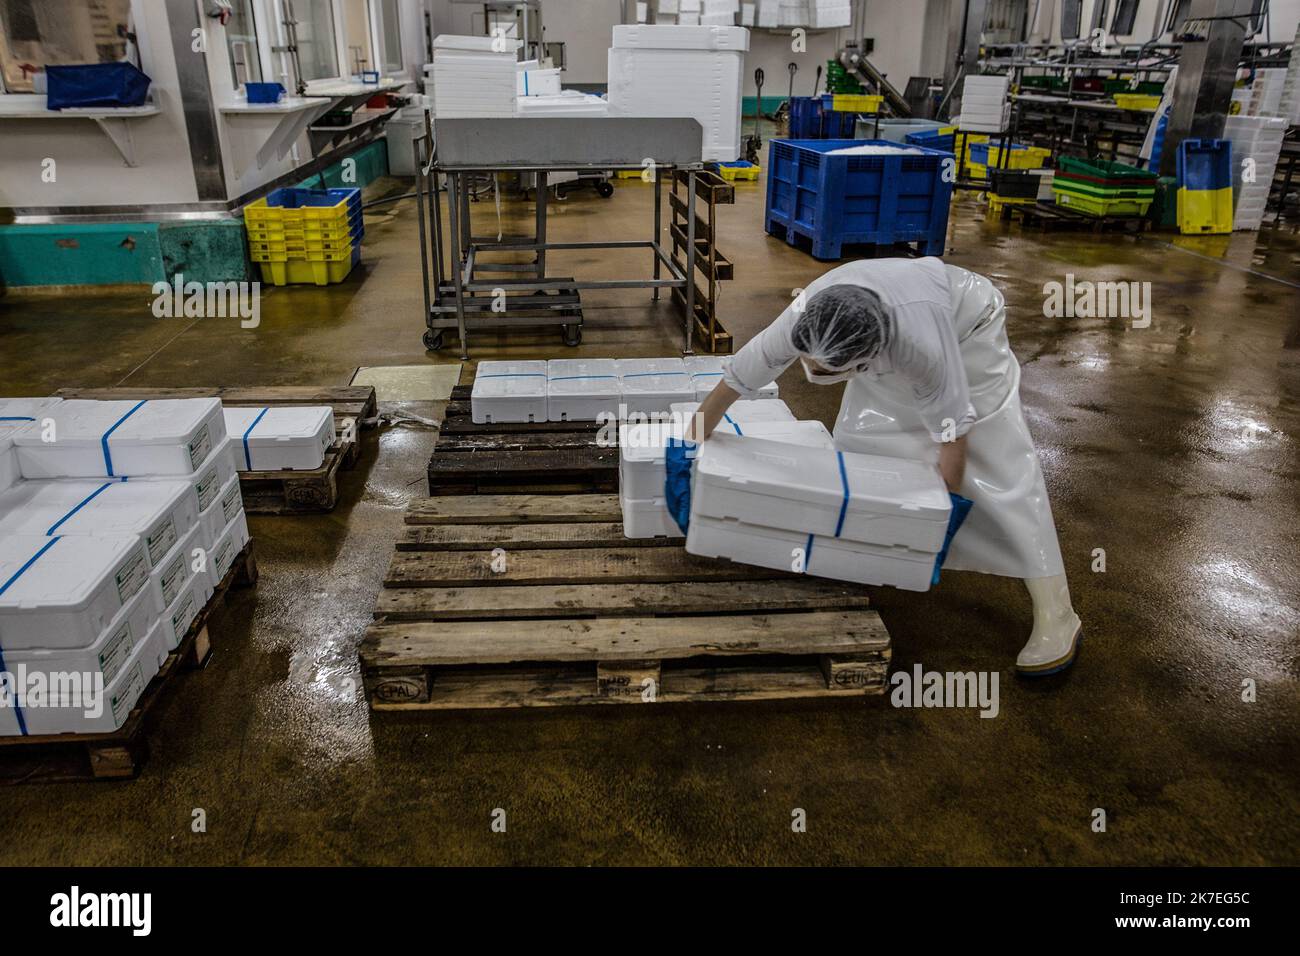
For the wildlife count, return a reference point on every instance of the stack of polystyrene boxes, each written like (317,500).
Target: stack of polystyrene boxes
(984,104)
(831,13)
(1266,92)
(585,389)
(474,76)
(688,12)
(127,516)
(769,13)
(794,13)
(1289,108)
(1257,138)
(861,518)
(641,457)
(719,13)
(280,437)
(694,71)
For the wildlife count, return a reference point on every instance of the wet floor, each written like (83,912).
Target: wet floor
(1173,448)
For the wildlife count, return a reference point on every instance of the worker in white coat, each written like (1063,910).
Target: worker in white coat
(923,348)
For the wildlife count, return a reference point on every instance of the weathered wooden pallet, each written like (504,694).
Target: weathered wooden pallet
(53,758)
(506,458)
(538,600)
(288,491)
(1046,216)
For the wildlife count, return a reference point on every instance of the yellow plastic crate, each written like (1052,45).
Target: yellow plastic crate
(739,172)
(1031,157)
(1136,101)
(289,249)
(258,211)
(1204,212)
(299,230)
(298,272)
(856,103)
(627,174)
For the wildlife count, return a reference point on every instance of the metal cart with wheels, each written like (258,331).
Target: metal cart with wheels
(465,290)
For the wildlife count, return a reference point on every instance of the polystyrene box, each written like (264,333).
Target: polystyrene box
(648,518)
(94,439)
(867,498)
(651,386)
(579,390)
(818,555)
(17,414)
(210,479)
(178,617)
(214,518)
(88,711)
(160,512)
(641,450)
(64,591)
(281,437)
(706,372)
(743,412)
(109,653)
(223,554)
(174,572)
(509,392)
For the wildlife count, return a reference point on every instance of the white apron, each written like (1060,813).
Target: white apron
(1009,530)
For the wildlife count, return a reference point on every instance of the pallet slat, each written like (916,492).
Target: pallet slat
(510,536)
(514,509)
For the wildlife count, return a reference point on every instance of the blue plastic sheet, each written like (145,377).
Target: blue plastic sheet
(960,509)
(90,85)
(679,456)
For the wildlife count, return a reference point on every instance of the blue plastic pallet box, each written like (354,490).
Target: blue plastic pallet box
(832,201)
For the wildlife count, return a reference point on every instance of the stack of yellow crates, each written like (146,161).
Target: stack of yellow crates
(305,235)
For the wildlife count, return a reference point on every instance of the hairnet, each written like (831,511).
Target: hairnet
(841,326)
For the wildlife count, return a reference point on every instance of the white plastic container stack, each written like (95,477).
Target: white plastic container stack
(706,371)
(16,415)
(984,104)
(688,13)
(1266,92)
(280,437)
(794,13)
(110,439)
(651,386)
(1289,108)
(532,80)
(641,469)
(1258,138)
(580,390)
(564,103)
(719,13)
(861,518)
(830,13)
(769,13)
(509,392)
(473,76)
(673,70)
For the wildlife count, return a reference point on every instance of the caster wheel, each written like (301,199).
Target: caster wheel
(605,189)
(432,340)
(572,335)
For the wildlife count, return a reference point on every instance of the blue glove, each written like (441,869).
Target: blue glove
(960,509)
(679,455)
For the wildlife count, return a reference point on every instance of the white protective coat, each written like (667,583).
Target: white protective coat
(948,368)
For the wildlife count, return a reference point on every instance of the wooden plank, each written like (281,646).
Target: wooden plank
(845,634)
(509,536)
(486,443)
(627,679)
(722,268)
(605,600)
(514,509)
(562,688)
(702,230)
(414,569)
(568,460)
(464,425)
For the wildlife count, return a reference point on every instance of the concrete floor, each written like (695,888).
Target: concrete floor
(1174,448)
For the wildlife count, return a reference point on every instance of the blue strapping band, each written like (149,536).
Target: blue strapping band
(18,711)
(573,378)
(16,418)
(512,375)
(807,554)
(733,424)
(648,374)
(248,458)
(84,501)
(108,458)
(844,505)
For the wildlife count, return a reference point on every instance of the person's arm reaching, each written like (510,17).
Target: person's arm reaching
(952,463)
(710,412)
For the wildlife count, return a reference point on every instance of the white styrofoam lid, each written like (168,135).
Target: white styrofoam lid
(510,378)
(475,44)
(640,366)
(582,376)
(153,422)
(703,364)
(742,411)
(645,441)
(37,571)
(19,409)
(875,483)
(680,37)
(279,423)
(87,507)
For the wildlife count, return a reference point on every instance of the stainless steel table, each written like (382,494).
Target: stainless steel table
(456,293)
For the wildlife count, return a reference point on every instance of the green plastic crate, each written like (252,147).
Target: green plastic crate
(1093,206)
(1106,169)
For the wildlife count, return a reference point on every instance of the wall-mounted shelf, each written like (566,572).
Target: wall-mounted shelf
(326,137)
(287,118)
(115,122)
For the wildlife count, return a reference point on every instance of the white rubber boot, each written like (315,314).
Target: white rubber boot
(1057,629)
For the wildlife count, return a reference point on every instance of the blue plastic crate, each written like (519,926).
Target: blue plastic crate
(833,201)
(931,139)
(1205,164)
(810,119)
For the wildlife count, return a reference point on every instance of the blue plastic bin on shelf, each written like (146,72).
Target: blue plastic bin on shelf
(91,85)
(263,92)
(809,119)
(880,199)
(931,139)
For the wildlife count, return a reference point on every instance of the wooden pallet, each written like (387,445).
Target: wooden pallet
(577,614)
(1046,216)
(505,458)
(121,754)
(287,491)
